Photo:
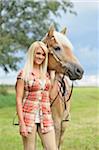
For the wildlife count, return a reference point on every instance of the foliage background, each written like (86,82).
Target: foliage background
(24,21)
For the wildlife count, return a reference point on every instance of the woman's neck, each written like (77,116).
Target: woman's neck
(36,67)
(36,70)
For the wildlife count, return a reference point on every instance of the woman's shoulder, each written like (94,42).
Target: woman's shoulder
(20,74)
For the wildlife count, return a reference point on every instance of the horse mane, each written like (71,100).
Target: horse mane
(62,39)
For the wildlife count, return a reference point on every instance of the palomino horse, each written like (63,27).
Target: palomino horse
(62,63)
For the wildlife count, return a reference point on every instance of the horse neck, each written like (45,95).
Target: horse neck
(54,76)
(57,107)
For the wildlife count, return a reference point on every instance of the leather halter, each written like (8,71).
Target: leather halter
(63,86)
(62,90)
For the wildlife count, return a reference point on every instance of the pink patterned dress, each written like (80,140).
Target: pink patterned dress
(36,102)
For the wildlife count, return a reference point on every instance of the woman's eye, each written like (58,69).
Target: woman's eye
(38,53)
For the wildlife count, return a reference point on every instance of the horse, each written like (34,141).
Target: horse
(62,64)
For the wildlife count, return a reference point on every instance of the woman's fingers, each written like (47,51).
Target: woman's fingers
(23,130)
(24,134)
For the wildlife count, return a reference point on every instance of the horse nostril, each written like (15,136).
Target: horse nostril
(79,71)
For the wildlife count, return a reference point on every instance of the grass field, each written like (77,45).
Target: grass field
(81,134)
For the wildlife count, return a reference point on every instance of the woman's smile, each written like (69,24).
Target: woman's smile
(39,56)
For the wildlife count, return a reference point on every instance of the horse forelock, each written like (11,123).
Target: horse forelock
(62,39)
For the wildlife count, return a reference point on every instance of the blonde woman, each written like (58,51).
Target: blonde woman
(32,99)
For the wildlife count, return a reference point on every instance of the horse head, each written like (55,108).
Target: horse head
(61,57)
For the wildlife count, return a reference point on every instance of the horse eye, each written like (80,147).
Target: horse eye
(57,48)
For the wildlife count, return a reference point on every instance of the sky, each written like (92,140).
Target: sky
(83,32)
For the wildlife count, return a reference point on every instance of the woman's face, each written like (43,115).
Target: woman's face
(39,56)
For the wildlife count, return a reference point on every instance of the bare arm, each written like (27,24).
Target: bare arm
(19,96)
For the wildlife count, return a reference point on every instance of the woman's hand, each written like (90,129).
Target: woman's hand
(23,130)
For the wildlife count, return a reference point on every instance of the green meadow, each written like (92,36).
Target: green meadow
(82,132)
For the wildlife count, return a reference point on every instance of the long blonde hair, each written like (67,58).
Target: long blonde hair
(28,68)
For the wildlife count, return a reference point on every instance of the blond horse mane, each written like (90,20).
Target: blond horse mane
(62,39)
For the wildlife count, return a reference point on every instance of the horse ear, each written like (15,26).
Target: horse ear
(51,30)
(64,30)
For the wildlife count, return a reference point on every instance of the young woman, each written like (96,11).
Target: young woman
(32,99)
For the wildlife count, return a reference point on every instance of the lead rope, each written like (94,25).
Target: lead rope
(13,122)
(65,109)
(58,92)
(63,94)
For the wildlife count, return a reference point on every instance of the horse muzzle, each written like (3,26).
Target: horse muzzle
(74,71)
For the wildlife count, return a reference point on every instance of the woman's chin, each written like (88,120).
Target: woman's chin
(38,63)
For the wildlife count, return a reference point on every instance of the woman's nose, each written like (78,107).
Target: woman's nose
(41,56)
